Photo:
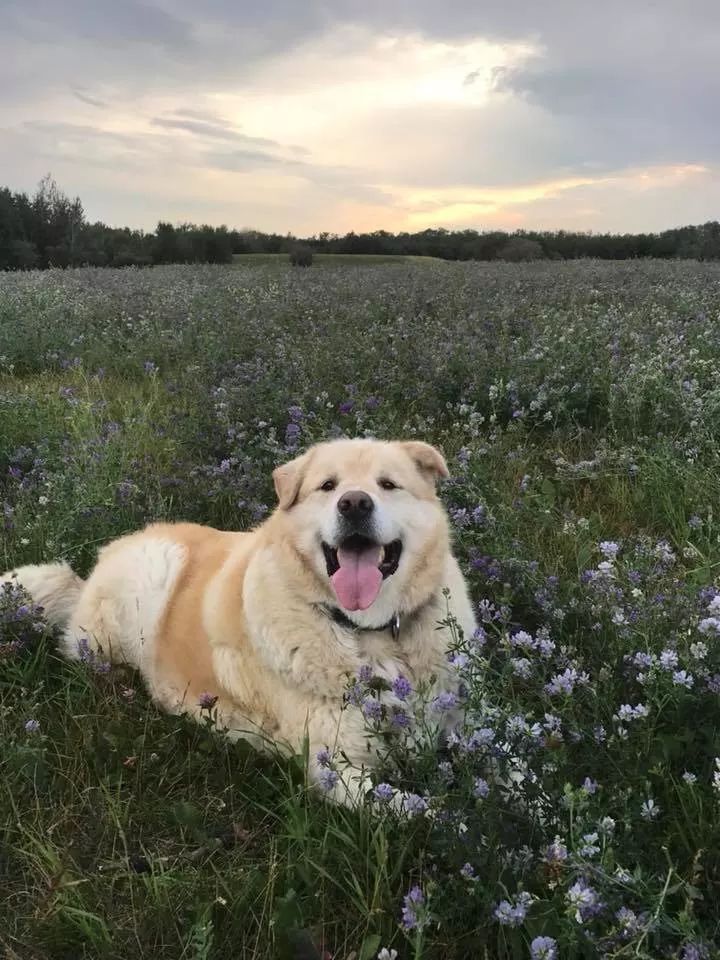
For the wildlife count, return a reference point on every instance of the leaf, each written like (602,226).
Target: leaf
(369,947)
(187,814)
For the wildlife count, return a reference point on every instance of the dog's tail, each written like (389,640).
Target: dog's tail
(53,586)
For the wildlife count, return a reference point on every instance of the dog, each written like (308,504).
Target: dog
(353,569)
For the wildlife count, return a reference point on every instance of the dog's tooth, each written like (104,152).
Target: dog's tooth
(382,554)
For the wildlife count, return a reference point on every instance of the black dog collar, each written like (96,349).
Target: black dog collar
(393,625)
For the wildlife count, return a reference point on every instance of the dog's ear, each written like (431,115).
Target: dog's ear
(427,458)
(287,479)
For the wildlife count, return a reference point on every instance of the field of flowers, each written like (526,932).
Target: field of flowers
(579,407)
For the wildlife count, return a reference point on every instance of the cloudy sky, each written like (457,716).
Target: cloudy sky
(299,115)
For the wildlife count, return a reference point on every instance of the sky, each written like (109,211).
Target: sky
(303,116)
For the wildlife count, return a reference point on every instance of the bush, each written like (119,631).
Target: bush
(301,256)
(521,250)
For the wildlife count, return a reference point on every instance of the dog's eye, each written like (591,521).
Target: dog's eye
(387,484)
(328,485)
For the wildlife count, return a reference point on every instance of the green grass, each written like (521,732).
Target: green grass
(333,259)
(576,403)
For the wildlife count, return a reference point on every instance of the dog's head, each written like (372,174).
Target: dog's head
(365,516)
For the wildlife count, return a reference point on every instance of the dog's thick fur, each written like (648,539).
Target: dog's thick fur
(247,616)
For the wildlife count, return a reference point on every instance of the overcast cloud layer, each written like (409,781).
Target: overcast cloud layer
(309,116)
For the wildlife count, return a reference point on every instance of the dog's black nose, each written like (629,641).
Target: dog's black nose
(355,506)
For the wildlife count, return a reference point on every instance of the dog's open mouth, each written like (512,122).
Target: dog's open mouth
(357,568)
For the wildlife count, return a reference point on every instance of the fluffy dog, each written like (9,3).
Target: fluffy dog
(353,568)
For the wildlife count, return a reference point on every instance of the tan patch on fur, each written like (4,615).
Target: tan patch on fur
(182,648)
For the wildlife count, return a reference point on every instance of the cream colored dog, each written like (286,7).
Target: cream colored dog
(350,570)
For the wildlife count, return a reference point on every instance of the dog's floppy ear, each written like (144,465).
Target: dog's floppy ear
(428,459)
(287,479)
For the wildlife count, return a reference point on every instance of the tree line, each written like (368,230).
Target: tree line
(49,229)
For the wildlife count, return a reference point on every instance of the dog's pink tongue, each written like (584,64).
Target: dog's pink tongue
(357,583)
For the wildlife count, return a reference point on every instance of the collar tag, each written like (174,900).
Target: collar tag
(395,626)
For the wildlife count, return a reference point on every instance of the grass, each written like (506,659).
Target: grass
(577,405)
(333,259)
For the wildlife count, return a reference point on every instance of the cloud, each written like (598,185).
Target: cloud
(92,101)
(102,21)
(216,129)
(391,113)
(248,160)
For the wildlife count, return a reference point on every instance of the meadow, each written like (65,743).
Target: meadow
(578,405)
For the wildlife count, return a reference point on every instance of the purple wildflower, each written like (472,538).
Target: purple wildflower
(693,951)
(544,948)
(714,604)
(643,660)
(545,646)
(371,708)
(32,726)
(589,847)
(401,687)
(668,659)
(383,792)
(459,516)
(522,639)
(681,678)
(630,922)
(445,770)
(328,779)
(521,667)
(513,914)
(400,719)
(583,900)
(444,701)
(566,681)
(556,853)
(324,757)
(292,434)
(478,740)
(413,804)
(206,701)
(626,712)
(609,549)
(414,916)
(458,660)
(481,788)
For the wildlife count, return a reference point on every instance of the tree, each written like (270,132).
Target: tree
(57,222)
(521,250)
(50,229)
(166,248)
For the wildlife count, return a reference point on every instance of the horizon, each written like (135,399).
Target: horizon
(329,234)
(301,120)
